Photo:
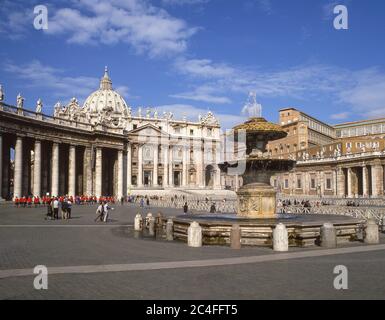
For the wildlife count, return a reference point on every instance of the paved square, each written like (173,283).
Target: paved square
(88,260)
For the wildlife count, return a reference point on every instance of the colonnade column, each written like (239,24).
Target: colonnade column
(55,170)
(129,166)
(140,166)
(87,171)
(37,169)
(120,174)
(98,173)
(365,181)
(377,180)
(72,171)
(350,187)
(18,175)
(1,167)
(156,161)
(165,166)
(340,182)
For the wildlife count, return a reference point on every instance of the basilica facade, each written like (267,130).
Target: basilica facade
(102,148)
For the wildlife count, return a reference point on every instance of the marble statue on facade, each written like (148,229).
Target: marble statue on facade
(39,106)
(1,93)
(20,101)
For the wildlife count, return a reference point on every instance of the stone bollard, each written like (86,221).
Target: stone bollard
(194,235)
(170,230)
(328,236)
(371,232)
(151,226)
(383,223)
(280,238)
(235,237)
(138,222)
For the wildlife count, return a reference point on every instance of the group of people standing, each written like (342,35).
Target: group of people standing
(65,207)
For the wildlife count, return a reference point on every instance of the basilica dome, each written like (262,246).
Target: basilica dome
(105,99)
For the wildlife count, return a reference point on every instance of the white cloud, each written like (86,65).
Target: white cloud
(203,93)
(202,68)
(357,91)
(184,2)
(145,28)
(340,116)
(37,75)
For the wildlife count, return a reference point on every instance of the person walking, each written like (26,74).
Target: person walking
(106,209)
(99,212)
(185,208)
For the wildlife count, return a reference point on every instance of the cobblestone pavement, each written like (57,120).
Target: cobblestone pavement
(27,240)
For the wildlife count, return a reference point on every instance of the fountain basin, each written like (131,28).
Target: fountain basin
(303,230)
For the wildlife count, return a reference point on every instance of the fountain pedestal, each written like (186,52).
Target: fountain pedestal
(256,201)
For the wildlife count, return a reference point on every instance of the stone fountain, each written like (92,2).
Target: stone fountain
(256,216)
(257,198)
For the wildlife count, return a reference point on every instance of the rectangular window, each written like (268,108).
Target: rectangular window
(286,183)
(135,126)
(312,183)
(191,132)
(177,130)
(328,184)
(209,132)
(299,183)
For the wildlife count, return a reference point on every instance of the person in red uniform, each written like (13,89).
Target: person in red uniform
(16,201)
(29,201)
(36,201)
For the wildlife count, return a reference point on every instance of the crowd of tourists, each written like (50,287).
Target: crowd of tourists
(31,201)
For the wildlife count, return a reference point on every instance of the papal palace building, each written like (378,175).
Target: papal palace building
(344,160)
(102,148)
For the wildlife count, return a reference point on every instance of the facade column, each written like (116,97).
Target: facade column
(140,166)
(87,171)
(200,166)
(156,161)
(335,183)
(129,166)
(165,166)
(350,191)
(377,180)
(55,170)
(37,169)
(217,177)
(120,174)
(184,167)
(171,169)
(365,182)
(1,167)
(72,171)
(341,183)
(98,172)
(322,183)
(18,174)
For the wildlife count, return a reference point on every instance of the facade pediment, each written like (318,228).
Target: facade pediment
(148,130)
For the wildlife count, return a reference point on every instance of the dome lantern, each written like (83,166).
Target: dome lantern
(105,82)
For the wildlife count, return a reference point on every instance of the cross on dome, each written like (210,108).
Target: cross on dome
(105,82)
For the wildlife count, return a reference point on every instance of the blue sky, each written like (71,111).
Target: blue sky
(190,56)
